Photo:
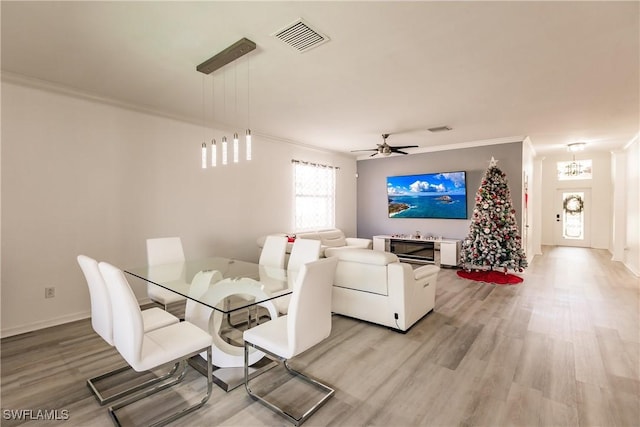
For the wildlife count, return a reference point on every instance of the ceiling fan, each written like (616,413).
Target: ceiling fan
(386,149)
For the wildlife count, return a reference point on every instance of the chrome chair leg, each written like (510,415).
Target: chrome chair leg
(227,304)
(151,391)
(102,400)
(329,392)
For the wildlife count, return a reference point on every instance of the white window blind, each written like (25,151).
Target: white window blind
(314,194)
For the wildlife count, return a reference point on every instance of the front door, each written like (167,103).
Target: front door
(573,215)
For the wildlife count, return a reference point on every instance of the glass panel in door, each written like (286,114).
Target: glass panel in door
(572,219)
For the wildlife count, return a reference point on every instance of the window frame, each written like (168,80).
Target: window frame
(305,199)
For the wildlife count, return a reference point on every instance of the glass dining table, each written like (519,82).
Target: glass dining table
(219,290)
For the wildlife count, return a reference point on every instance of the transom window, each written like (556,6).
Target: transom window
(314,195)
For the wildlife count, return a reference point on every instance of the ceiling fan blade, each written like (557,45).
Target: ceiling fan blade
(374,154)
(401,152)
(369,149)
(405,146)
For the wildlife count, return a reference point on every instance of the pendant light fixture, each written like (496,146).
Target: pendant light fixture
(224,150)
(236,148)
(228,55)
(204,144)
(214,153)
(214,143)
(248,144)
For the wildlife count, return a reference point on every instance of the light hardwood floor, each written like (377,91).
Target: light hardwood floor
(560,349)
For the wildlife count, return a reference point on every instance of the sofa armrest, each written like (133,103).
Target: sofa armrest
(425,271)
(358,242)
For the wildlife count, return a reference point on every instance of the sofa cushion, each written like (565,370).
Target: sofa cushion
(332,238)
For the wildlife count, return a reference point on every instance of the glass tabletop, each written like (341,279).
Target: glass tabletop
(234,284)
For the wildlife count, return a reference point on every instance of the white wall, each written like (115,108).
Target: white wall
(373,212)
(528,230)
(601,196)
(632,246)
(80,176)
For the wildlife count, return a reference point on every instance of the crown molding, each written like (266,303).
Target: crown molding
(45,85)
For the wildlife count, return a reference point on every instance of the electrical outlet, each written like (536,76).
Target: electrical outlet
(49,292)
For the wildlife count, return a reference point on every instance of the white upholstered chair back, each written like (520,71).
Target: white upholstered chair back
(274,251)
(302,252)
(101,314)
(164,250)
(128,327)
(309,316)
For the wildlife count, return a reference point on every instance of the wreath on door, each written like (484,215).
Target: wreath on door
(573,204)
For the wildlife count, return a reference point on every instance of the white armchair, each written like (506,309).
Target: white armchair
(376,287)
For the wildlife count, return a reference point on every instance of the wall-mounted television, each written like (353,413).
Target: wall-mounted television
(429,195)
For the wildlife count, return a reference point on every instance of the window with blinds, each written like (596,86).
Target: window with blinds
(314,196)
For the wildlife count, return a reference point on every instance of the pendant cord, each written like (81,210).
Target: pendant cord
(248,94)
(204,114)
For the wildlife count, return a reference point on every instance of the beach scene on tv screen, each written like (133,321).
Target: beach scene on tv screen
(434,195)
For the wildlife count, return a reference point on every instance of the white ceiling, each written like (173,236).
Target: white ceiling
(558,72)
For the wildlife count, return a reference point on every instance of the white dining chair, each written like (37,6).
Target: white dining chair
(274,251)
(302,252)
(272,256)
(145,351)
(102,323)
(166,250)
(307,324)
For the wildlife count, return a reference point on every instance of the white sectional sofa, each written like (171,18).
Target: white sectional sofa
(333,238)
(374,286)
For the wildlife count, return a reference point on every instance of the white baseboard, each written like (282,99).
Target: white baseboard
(631,269)
(9,332)
(30,327)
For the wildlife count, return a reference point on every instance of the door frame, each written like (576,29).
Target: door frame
(558,238)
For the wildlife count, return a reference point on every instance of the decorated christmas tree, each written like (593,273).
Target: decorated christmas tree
(494,240)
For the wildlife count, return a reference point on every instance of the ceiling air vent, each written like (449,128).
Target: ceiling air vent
(301,36)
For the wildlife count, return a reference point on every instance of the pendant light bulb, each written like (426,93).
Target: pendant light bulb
(224,150)
(214,153)
(248,144)
(236,148)
(204,155)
